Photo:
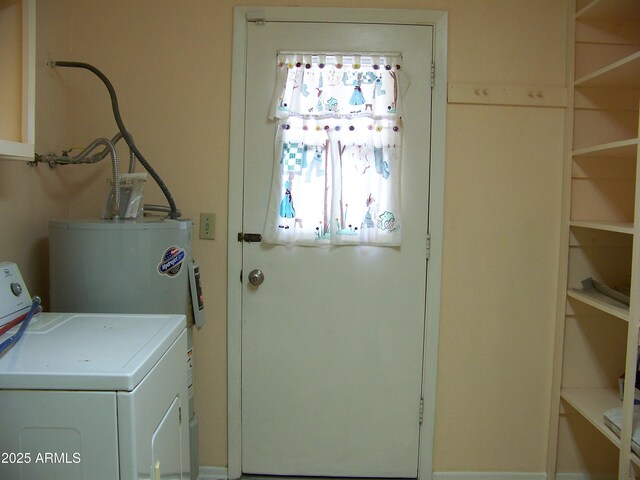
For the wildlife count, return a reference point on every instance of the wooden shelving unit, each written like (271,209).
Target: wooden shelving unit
(597,336)
(17,76)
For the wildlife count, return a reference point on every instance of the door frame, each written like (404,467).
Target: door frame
(439,21)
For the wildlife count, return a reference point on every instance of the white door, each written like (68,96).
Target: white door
(332,341)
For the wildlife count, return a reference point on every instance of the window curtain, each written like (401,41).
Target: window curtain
(337,159)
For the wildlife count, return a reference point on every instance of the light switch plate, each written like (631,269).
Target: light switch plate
(208,226)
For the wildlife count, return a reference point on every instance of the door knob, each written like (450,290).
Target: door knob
(256,277)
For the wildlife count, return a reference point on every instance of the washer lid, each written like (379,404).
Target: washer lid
(66,351)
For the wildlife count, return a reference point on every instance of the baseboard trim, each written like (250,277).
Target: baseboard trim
(584,476)
(516,476)
(489,476)
(213,473)
(221,473)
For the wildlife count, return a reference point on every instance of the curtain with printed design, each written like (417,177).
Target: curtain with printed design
(337,159)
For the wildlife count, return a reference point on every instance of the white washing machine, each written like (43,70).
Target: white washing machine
(93,396)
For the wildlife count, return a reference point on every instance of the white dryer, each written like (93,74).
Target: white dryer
(95,397)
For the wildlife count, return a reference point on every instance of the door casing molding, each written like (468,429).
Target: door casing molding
(439,21)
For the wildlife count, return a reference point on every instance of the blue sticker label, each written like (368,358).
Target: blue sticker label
(172,261)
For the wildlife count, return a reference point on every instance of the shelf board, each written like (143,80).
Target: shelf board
(609,10)
(601,302)
(619,227)
(619,149)
(591,403)
(624,73)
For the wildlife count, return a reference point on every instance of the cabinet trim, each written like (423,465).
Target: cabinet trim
(25,149)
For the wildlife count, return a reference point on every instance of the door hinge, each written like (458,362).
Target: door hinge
(421,415)
(433,74)
(428,246)
(256,16)
(180,415)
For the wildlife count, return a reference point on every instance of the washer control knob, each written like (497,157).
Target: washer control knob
(16,289)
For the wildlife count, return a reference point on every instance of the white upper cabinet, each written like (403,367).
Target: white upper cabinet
(17,77)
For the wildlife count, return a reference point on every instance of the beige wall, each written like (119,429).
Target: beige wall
(170,64)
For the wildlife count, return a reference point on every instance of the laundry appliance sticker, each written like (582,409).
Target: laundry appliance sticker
(172,261)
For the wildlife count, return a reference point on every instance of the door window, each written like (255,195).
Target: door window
(337,159)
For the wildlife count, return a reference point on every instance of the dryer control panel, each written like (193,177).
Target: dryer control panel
(14,296)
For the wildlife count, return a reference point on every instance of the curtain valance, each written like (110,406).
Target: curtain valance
(337,86)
